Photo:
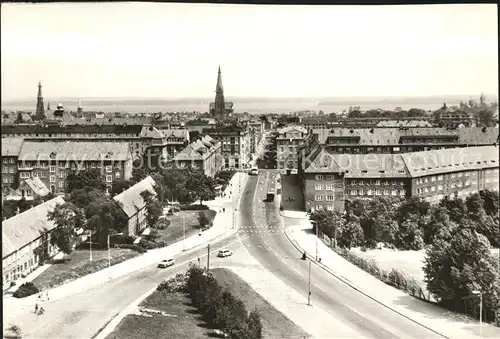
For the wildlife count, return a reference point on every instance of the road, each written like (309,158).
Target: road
(266,242)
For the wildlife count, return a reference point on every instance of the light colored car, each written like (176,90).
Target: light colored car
(166,263)
(220,334)
(224,253)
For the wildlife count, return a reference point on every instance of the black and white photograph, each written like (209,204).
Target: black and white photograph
(250,171)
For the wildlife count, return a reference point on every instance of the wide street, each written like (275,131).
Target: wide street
(260,241)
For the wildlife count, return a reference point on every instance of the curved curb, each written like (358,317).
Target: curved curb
(348,283)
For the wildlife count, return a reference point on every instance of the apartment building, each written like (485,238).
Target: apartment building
(256,132)
(134,206)
(402,140)
(140,138)
(23,236)
(177,140)
(288,140)
(52,161)
(330,179)
(457,118)
(235,142)
(327,122)
(204,154)
(10,152)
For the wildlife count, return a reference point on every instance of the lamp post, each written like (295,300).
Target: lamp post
(183,234)
(109,252)
(478,293)
(309,286)
(90,244)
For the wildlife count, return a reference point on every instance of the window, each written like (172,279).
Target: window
(329,207)
(25,175)
(62,164)
(369,192)
(433,188)
(11,160)
(440,187)
(402,192)
(52,169)
(52,178)
(440,177)
(4,160)
(361,192)
(426,190)
(117,165)
(5,169)
(5,180)
(329,198)
(117,175)
(329,177)
(377,182)
(35,174)
(386,192)
(319,177)
(11,170)
(433,178)
(61,175)
(453,176)
(318,187)
(43,174)
(92,165)
(394,192)
(378,192)
(353,192)
(108,169)
(329,187)
(460,174)
(43,165)
(318,198)
(109,178)
(426,179)
(61,184)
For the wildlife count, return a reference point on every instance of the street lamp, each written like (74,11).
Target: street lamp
(90,244)
(109,252)
(478,293)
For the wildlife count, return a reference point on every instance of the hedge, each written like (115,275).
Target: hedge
(25,290)
(134,247)
(195,207)
(395,278)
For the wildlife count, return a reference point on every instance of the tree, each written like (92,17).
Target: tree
(486,117)
(410,235)
(105,216)
(474,204)
(412,206)
(455,267)
(120,185)
(439,224)
(202,187)
(203,219)
(154,208)
(19,118)
(232,316)
(254,324)
(68,218)
(85,179)
(139,171)
(456,208)
(351,234)
(385,229)
(491,201)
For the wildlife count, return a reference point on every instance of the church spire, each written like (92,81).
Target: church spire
(220,104)
(40,109)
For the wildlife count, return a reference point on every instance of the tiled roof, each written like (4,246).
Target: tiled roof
(75,150)
(11,146)
(391,136)
(372,165)
(404,123)
(451,160)
(26,227)
(73,129)
(322,162)
(37,186)
(176,133)
(131,200)
(188,153)
(198,150)
(292,129)
(151,132)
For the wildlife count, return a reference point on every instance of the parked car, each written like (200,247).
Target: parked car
(224,253)
(220,334)
(166,263)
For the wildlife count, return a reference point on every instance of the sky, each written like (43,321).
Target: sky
(160,50)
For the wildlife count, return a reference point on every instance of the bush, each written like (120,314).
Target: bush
(134,247)
(195,207)
(397,279)
(162,224)
(149,245)
(176,284)
(25,290)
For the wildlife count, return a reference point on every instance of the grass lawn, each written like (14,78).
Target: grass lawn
(174,232)
(77,265)
(275,324)
(182,321)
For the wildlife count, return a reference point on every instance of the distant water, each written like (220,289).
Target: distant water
(257,106)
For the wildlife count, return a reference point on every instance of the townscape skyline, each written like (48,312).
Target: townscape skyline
(294,51)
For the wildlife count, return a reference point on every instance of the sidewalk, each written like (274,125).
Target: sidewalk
(449,324)
(221,228)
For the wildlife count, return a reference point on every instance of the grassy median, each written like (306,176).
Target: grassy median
(181,320)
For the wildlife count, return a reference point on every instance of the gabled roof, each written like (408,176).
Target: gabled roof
(322,162)
(37,186)
(292,129)
(188,153)
(151,132)
(11,147)
(176,133)
(74,150)
(451,160)
(131,200)
(28,226)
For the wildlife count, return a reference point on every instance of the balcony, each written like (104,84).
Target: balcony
(25,167)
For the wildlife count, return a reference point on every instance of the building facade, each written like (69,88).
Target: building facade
(134,206)
(10,153)
(204,154)
(23,236)
(403,140)
(328,180)
(288,140)
(235,142)
(51,162)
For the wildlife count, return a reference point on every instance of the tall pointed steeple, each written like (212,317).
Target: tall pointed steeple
(40,109)
(220,105)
